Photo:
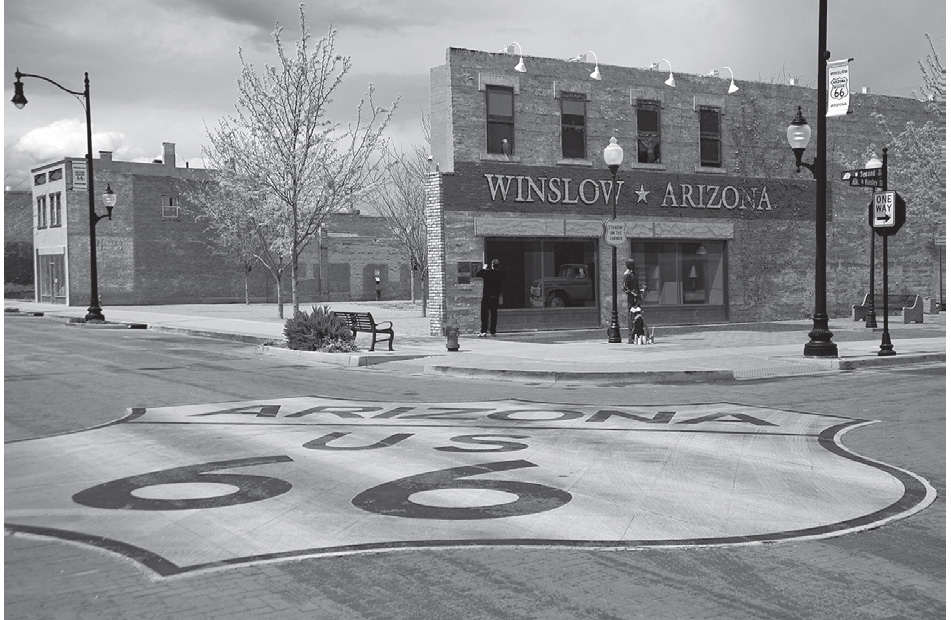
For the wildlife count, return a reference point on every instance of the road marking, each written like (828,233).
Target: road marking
(233,483)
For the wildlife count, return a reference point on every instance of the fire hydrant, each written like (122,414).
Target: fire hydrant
(452,335)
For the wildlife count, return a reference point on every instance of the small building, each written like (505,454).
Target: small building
(707,201)
(154,251)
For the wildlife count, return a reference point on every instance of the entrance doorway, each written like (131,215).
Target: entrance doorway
(51,269)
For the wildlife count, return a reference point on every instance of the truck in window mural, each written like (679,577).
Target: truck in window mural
(572,286)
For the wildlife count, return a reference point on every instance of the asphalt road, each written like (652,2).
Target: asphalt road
(60,379)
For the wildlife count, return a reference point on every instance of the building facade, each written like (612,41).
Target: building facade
(154,251)
(707,201)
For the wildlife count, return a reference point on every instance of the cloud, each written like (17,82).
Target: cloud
(60,139)
(65,138)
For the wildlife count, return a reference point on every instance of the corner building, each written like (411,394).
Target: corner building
(719,223)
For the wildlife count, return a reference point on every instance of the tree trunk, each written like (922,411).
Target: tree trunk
(295,299)
(280,295)
(247,284)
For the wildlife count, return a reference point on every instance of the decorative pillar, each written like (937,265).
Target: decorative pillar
(435,250)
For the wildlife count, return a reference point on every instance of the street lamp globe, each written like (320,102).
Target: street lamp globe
(613,154)
(19,99)
(109,197)
(798,133)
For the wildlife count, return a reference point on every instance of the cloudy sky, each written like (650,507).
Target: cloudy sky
(164,70)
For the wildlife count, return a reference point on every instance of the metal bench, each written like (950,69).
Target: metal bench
(363,322)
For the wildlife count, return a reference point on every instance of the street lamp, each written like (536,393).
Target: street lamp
(613,156)
(94,312)
(798,134)
(870,320)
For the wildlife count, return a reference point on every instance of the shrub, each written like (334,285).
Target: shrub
(319,330)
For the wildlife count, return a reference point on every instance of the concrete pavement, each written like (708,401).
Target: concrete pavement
(679,354)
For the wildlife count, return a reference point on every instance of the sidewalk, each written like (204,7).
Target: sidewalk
(680,354)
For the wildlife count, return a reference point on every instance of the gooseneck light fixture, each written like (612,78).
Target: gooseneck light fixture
(613,156)
(596,74)
(798,134)
(733,87)
(508,49)
(670,79)
(94,312)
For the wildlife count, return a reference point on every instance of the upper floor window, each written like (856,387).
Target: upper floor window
(56,175)
(41,212)
(710,137)
(39,179)
(573,125)
(500,120)
(648,132)
(170,207)
(56,209)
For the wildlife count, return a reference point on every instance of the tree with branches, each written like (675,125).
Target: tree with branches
(242,227)
(281,145)
(934,75)
(401,200)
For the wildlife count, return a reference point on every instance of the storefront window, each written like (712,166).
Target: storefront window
(681,272)
(546,273)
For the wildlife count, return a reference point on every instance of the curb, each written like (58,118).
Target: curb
(336,359)
(658,376)
(246,339)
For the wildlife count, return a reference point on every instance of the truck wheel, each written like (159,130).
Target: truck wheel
(556,300)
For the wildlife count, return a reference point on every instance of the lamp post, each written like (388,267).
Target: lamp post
(798,134)
(613,156)
(882,164)
(94,312)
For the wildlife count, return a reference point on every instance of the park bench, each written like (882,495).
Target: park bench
(915,313)
(363,322)
(910,306)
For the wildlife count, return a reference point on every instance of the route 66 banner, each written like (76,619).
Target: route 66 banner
(838,88)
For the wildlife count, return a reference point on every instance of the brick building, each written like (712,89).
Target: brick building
(720,225)
(153,251)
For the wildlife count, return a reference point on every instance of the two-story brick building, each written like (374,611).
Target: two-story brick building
(154,251)
(720,225)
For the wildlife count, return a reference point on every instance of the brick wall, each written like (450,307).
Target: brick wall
(771,254)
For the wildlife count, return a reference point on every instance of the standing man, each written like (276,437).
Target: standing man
(632,287)
(491,289)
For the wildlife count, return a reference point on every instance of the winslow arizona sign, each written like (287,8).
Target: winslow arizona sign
(207,486)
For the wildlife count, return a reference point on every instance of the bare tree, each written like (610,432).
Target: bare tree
(281,142)
(401,200)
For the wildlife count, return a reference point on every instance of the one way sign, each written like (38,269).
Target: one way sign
(886,213)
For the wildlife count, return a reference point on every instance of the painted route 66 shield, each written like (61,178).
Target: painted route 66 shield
(203,486)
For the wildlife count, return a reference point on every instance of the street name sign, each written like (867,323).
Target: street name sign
(864,177)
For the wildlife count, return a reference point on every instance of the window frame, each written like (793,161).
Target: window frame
(648,106)
(56,210)
(172,203)
(569,129)
(41,212)
(710,138)
(499,126)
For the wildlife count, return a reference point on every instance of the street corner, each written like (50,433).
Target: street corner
(262,480)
